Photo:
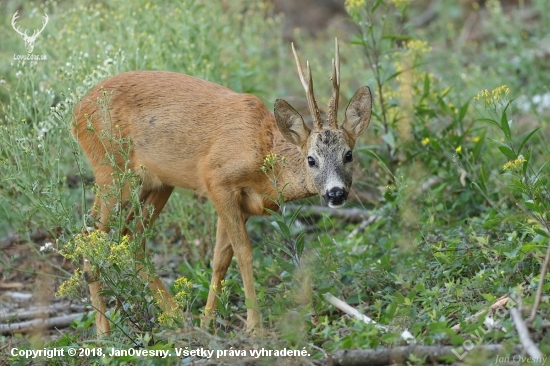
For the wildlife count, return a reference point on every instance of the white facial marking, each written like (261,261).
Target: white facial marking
(334,182)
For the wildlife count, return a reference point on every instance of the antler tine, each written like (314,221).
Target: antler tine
(13,19)
(333,104)
(311,101)
(299,66)
(45,22)
(308,87)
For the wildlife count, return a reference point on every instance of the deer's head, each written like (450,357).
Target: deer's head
(327,152)
(29,40)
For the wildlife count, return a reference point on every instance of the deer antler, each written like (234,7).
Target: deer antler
(36,33)
(13,19)
(333,104)
(308,87)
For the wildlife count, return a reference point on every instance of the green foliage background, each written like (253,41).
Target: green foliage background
(451,231)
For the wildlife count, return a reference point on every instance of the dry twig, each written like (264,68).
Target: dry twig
(399,355)
(352,215)
(350,310)
(523,333)
(10,285)
(542,279)
(30,325)
(40,312)
(362,226)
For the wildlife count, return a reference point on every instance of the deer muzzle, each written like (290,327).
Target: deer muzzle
(336,197)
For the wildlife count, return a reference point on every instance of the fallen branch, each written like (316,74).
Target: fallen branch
(350,310)
(352,215)
(399,355)
(30,325)
(500,303)
(10,285)
(523,333)
(362,226)
(542,280)
(40,312)
(17,295)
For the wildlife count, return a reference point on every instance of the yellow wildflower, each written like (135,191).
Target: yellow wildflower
(270,161)
(181,298)
(183,288)
(459,149)
(166,319)
(354,4)
(418,47)
(483,95)
(490,98)
(121,253)
(71,288)
(514,164)
(182,284)
(426,141)
(500,93)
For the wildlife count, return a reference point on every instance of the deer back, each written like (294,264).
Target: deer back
(183,131)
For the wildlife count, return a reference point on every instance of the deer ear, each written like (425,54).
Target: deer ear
(290,123)
(358,112)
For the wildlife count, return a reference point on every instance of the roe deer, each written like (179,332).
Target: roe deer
(191,133)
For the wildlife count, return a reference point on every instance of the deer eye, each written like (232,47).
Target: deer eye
(310,161)
(348,157)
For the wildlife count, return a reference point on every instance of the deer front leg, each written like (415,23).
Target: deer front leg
(243,253)
(223,253)
(231,217)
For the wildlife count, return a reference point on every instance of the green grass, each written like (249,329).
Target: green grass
(436,254)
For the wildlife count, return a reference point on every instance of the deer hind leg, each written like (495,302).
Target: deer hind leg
(156,198)
(101,321)
(223,253)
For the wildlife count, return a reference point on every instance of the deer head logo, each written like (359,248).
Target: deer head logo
(29,40)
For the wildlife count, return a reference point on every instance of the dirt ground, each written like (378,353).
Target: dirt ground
(28,286)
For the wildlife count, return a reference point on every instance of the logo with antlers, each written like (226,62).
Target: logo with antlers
(29,40)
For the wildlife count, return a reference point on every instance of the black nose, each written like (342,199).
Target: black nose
(336,196)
